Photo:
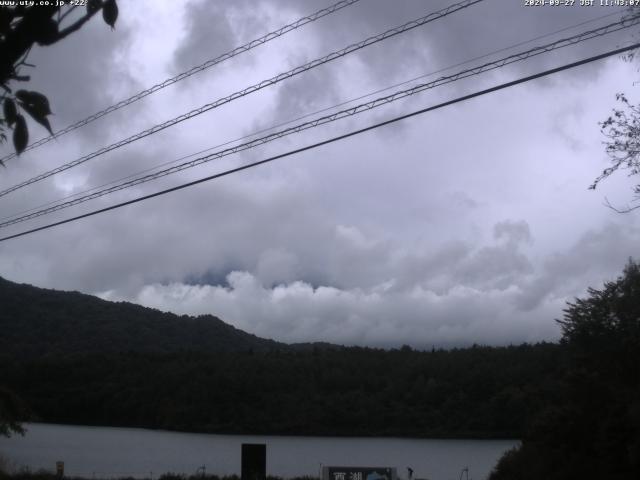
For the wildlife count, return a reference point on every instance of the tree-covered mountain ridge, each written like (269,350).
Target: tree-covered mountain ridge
(74,358)
(37,322)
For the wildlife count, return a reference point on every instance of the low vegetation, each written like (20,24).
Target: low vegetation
(45,475)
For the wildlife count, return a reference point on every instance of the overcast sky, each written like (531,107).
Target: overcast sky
(472,223)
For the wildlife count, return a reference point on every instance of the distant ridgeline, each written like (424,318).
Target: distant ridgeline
(37,322)
(77,359)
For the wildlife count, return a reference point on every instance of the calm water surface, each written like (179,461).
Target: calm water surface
(111,452)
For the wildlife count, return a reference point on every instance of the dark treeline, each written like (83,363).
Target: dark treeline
(480,392)
(591,429)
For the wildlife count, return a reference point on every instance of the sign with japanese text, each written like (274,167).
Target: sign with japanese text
(358,473)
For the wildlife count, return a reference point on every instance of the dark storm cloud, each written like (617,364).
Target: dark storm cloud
(458,38)
(474,31)
(495,266)
(209,34)
(312,92)
(513,232)
(597,256)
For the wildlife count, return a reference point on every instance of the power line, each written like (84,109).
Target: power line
(587,35)
(265,83)
(310,114)
(331,140)
(302,117)
(181,76)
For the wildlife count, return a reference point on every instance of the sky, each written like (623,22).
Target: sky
(468,224)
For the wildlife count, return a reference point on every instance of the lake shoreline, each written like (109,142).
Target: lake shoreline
(112,452)
(49,475)
(478,436)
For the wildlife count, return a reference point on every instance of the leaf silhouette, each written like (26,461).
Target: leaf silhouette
(20,135)
(93,6)
(110,12)
(37,116)
(10,111)
(37,101)
(46,31)
(6,17)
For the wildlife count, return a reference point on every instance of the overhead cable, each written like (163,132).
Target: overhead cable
(517,57)
(306,115)
(199,68)
(265,83)
(329,141)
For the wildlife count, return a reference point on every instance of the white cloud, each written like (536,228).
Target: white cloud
(298,312)
(445,305)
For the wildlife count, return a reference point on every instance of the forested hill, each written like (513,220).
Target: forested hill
(74,358)
(35,322)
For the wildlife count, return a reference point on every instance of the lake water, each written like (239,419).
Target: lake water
(103,452)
